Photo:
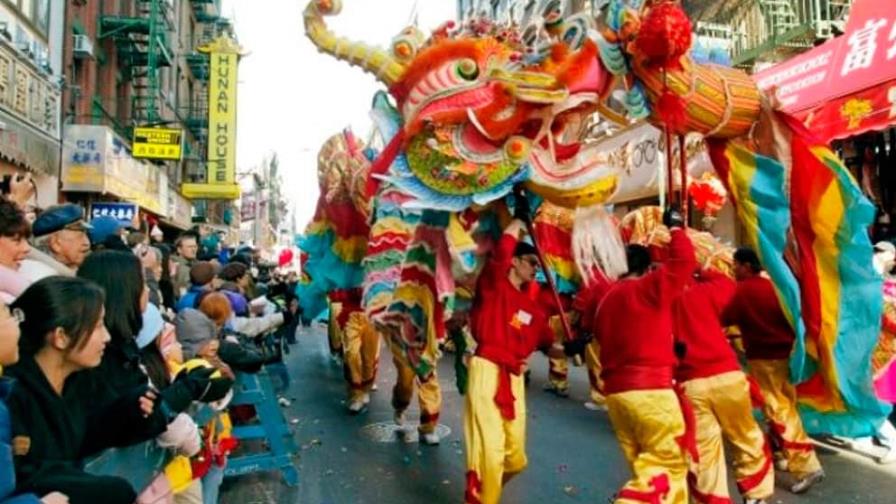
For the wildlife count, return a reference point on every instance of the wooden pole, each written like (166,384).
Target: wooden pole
(683,195)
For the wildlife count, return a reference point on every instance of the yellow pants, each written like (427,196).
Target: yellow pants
(648,424)
(558,367)
(429,393)
(334,332)
(361,354)
(495,447)
(723,411)
(773,378)
(592,364)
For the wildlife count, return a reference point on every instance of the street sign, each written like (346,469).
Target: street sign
(158,143)
(123,212)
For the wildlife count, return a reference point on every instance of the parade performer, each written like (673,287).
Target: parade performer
(711,378)
(768,340)
(585,304)
(508,326)
(360,346)
(429,395)
(638,365)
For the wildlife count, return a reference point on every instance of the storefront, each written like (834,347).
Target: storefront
(98,167)
(29,123)
(845,91)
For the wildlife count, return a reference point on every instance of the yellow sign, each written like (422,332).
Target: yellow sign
(221,183)
(158,143)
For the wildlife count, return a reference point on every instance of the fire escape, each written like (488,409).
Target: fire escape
(142,41)
(768,31)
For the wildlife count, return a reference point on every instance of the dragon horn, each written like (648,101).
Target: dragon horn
(374,60)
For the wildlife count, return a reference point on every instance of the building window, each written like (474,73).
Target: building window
(36,12)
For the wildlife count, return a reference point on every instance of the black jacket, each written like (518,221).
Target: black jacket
(52,434)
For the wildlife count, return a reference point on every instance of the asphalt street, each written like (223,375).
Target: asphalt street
(573,455)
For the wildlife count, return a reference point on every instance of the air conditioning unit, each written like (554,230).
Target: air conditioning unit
(82,47)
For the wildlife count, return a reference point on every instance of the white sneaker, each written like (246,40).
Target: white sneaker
(399,418)
(755,501)
(374,388)
(429,438)
(807,481)
(593,406)
(284,402)
(887,458)
(355,407)
(366,399)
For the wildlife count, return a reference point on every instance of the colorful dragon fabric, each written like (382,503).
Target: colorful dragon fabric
(478,108)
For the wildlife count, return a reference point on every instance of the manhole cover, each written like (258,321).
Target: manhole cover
(388,432)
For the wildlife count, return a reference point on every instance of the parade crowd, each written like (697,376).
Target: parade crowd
(112,337)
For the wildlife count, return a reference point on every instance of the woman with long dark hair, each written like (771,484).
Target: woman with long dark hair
(120,274)
(53,427)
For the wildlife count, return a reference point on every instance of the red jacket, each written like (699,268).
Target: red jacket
(696,319)
(756,311)
(588,300)
(507,323)
(634,323)
(504,316)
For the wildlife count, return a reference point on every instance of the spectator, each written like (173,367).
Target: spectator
(53,428)
(136,239)
(106,232)
(236,282)
(202,275)
(168,269)
(14,234)
(187,246)
(156,235)
(152,269)
(61,243)
(121,370)
(9,354)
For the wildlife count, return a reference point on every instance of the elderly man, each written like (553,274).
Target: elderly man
(60,243)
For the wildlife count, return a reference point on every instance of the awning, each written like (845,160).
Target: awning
(847,85)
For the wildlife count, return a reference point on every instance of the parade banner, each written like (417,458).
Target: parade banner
(808,223)
(846,81)
(220,183)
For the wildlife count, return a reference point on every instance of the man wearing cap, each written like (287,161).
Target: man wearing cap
(60,243)
(201,276)
(508,325)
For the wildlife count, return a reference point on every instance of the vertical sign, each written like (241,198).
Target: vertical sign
(224,56)
(222,119)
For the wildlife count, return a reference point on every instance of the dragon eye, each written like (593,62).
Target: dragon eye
(467,69)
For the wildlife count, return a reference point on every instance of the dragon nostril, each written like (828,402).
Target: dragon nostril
(467,69)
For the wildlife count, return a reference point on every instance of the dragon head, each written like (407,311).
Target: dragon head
(482,103)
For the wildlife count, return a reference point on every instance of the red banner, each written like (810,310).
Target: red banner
(856,63)
(868,110)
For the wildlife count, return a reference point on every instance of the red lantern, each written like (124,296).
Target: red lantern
(708,194)
(665,36)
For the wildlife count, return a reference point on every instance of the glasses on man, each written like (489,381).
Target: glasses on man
(533,261)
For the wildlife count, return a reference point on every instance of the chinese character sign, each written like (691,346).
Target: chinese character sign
(123,212)
(85,153)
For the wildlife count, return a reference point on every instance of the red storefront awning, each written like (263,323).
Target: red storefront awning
(847,85)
